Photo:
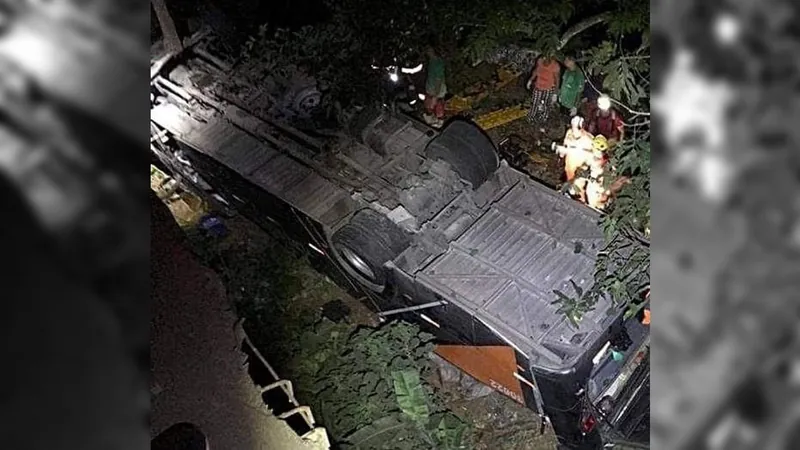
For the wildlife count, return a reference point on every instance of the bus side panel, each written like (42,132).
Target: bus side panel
(255,203)
(565,408)
(484,336)
(268,211)
(455,324)
(471,346)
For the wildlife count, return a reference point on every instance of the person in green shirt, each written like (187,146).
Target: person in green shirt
(435,86)
(572,82)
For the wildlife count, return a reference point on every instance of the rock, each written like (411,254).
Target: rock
(478,390)
(448,373)
(335,310)
(474,389)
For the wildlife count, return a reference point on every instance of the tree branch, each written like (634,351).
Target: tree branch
(641,123)
(613,100)
(581,26)
(566,37)
(635,235)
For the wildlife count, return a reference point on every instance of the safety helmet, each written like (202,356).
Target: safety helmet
(604,102)
(576,121)
(600,143)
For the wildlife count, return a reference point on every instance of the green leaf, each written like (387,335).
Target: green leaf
(449,432)
(562,297)
(578,289)
(411,396)
(379,434)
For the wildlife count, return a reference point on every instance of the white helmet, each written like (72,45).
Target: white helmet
(604,102)
(576,121)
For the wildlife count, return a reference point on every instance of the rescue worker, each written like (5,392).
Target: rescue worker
(545,80)
(606,121)
(589,182)
(577,142)
(595,193)
(435,88)
(572,83)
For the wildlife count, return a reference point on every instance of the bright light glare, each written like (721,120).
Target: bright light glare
(412,102)
(601,353)
(727,29)
(412,70)
(316,249)
(32,52)
(394,77)
(429,320)
(604,102)
(421,96)
(693,104)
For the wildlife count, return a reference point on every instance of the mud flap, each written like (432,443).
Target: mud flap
(494,366)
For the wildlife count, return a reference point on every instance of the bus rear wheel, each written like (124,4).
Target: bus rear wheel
(366,244)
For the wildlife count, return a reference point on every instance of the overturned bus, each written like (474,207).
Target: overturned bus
(432,227)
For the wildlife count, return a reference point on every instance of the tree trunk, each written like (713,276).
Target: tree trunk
(172,41)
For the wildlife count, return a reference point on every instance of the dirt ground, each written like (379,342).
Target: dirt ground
(196,375)
(498,423)
(528,148)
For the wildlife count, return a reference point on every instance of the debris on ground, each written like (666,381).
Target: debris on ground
(530,151)
(335,310)
(187,208)
(498,422)
(497,101)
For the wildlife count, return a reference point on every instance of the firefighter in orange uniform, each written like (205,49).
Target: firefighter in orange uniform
(577,144)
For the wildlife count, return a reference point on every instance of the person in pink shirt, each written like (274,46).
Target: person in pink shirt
(544,80)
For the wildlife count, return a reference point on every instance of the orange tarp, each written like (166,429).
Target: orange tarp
(494,366)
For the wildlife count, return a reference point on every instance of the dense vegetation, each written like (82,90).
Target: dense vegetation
(365,384)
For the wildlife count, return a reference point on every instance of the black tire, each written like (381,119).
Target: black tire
(306,102)
(374,240)
(467,149)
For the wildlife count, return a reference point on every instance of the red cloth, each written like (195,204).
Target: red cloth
(435,106)
(438,109)
(608,125)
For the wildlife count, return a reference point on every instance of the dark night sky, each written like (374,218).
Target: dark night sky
(244,16)
(247,14)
